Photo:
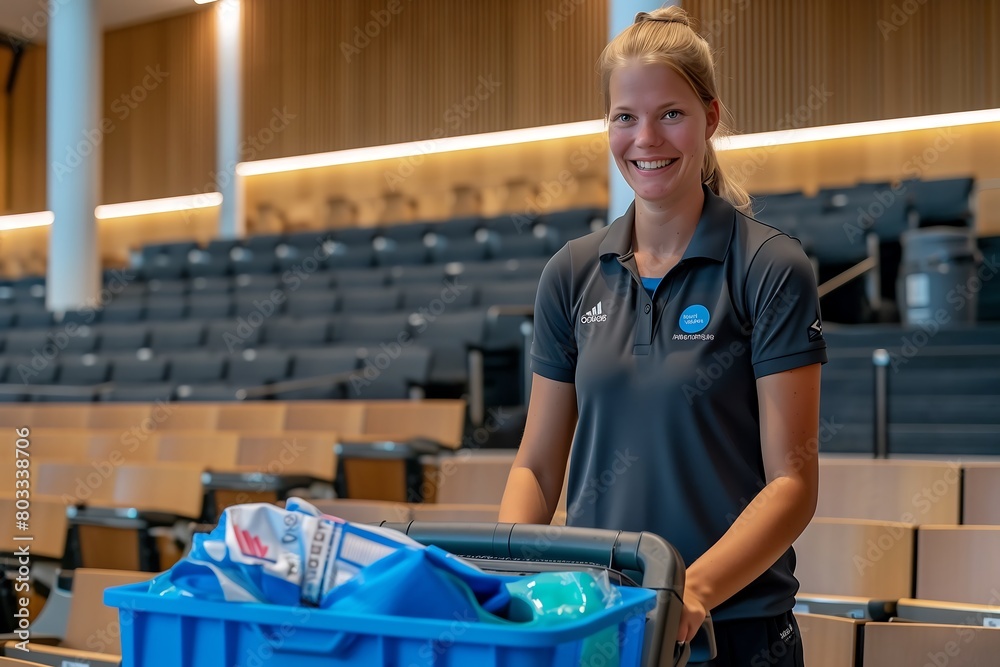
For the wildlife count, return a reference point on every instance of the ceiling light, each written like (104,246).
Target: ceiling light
(24,220)
(166,205)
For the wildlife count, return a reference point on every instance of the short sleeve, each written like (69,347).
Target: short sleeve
(553,349)
(783,303)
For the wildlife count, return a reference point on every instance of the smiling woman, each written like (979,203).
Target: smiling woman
(684,290)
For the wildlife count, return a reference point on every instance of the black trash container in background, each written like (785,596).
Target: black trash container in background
(937,276)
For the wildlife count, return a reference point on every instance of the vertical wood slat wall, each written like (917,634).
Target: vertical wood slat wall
(373,72)
(419,76)
(414,76)
(6,58)
(803,64)
(159,97)
(26,166)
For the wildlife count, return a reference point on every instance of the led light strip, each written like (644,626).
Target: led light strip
(166,205)
(414,148)
(849,130)
(25,220)
(506,138)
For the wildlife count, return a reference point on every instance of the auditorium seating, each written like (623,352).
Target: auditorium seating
(376,511)
(913,492)
(238,297)
(208,323)
(856,557)
(829,641)
(929,644)
(939,548)
(941,392)
(981,494)
(475,479)
(92,634)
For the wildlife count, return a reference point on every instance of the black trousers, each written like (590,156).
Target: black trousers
(757,642)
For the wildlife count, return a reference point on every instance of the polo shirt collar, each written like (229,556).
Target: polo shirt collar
(710,240)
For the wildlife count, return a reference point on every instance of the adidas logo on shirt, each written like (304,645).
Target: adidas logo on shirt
(595,314)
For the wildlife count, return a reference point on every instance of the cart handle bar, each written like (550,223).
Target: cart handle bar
(659,563)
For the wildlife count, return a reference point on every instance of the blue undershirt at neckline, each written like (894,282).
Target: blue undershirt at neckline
(651,284)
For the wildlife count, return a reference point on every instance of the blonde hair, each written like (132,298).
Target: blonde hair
(665,36)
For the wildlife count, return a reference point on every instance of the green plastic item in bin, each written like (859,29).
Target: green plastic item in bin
(551,598)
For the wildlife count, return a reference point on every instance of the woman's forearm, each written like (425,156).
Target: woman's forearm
(524,500)
(758,537)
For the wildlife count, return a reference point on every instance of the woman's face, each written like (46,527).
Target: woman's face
(658,130)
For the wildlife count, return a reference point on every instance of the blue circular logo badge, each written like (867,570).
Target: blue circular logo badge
(694,319)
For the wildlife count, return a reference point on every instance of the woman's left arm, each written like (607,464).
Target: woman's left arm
(789,423)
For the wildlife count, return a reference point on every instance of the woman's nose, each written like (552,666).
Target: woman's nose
(648,134)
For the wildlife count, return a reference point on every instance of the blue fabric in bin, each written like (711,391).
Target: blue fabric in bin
(445,587)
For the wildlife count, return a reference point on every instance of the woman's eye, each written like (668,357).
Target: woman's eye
(623,117)
(673,114)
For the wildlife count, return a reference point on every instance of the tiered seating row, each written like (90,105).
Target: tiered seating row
(469,239)
(941,389)
(887,543)
(833,224)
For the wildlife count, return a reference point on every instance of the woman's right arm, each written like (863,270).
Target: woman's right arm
(536,478)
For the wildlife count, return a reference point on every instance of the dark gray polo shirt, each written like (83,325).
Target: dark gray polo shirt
(668,438)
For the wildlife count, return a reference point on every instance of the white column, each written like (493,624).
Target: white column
(75,132)
(621,14)
(229,118)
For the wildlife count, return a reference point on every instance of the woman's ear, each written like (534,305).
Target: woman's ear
(712,117)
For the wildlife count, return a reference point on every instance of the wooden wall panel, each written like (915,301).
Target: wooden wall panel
(432,70)
(6,59)
(27,149)
(316,81)
(159,95)
(870,59)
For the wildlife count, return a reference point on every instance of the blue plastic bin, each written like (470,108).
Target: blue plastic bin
(184,632)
